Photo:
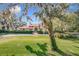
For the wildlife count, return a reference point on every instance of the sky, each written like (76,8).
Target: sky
(31,10)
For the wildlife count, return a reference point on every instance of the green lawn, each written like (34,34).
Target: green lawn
(35,45)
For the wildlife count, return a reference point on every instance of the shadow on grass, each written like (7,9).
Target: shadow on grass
(76,42)
(42,52)
(62,53)
(73,54)
(76,46)
(76,53)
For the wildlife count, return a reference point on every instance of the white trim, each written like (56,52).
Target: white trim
(39,1)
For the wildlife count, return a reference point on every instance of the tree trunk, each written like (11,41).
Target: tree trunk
(52,37)
(53,41)
(49,27)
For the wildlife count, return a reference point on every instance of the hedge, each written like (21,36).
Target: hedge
(21,32)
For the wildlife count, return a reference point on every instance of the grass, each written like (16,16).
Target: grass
(35,45)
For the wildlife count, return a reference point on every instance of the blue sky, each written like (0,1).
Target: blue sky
(31,10)
(22,6)
(73,7)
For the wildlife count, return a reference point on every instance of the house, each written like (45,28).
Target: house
(29,27)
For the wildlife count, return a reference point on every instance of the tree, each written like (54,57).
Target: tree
(59,25)
(8,17)
(77,13)
(47,13)
(71,19)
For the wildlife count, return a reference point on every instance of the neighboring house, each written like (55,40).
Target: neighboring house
(29,27)
(32,27)
(24,27)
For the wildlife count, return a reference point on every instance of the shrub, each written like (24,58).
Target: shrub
(64,35)
(70,36)
(67,36)
(17,32)
(58,35)
(21,32)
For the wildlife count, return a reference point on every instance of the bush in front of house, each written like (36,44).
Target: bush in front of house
(17,32)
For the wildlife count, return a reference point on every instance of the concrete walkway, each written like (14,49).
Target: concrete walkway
(8,35)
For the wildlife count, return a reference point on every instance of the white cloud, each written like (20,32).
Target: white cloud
(15,9)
